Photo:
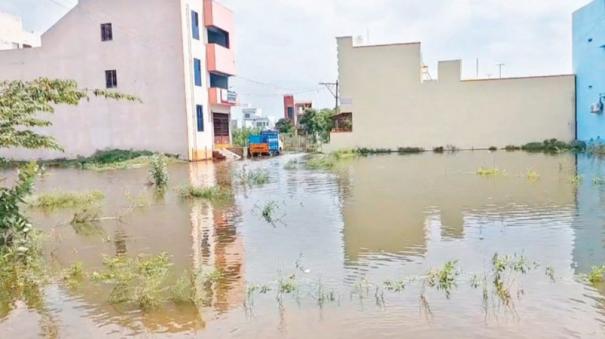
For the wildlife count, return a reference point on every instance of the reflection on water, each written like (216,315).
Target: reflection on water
(372,219)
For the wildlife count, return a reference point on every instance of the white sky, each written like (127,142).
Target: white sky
(288,46)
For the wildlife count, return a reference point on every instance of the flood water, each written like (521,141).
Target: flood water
(344,232)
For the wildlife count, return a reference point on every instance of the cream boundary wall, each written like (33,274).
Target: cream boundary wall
(152,51)
(392,107)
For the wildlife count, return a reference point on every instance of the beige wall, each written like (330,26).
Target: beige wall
(153,54)
(393,107)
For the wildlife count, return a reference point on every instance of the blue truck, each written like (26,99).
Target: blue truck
(267,143)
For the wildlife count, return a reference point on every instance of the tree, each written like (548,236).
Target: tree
(21,102)
(240,135)
(318,124)
(284,126)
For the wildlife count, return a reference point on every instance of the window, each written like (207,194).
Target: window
(200,117)
(197,72)
(106,32)
(291,113)
(111,79)
(195,25)
(218,36)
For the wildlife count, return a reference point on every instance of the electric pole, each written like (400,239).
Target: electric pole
(500,68)
(333,87)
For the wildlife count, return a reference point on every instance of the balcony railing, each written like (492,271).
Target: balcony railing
(220,60)
(222,97)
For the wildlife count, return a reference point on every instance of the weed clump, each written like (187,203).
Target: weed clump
(67,200)
(493,148)
(489,172)
(213,193)
(158,171)
(257,177)
(140,281)
(512,148)
(410,150)
(439,149)
(554,146)
(597,275)
(444,278)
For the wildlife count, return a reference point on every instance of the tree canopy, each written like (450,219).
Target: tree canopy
(284,126)
(22,101)
(318,124)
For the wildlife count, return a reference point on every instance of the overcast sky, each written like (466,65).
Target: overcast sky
(288,46)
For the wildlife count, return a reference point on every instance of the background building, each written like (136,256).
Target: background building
(12,34)
(392,106)
(589,66)
(253,118)
(175,55)
(293,110)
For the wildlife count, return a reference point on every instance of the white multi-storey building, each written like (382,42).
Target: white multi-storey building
(253,118)
(175,55)
(12,34)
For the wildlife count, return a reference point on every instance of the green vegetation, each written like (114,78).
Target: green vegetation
(318,124)
(268,211)
(409,150)
(85,217)
(74,275)
(533,175)
(439,149)
(368,151)
(493,148)
(554,146)
(596,149)
(444,278)
(394,286)
(59,200)
(213,193)
(240,135)
(291,165)
(139,281)
(598,180)
(284,126)
(318,161)
(597,275)
(576,179)
(512,148)
(256,177)
(489,172)
(287,286)
(158,171)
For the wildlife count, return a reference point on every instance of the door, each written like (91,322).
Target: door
(221,128)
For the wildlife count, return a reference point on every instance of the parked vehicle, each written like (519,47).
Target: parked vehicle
(267,143)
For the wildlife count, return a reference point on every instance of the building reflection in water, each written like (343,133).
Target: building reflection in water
(386,216)
(218,250)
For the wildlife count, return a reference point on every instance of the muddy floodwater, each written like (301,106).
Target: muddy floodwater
(343,253)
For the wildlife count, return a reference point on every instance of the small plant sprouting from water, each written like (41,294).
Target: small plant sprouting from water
(85,216)
(550,273)
(139,281)
(213,193)
(158,172)
(291,165)
(444,278)
(324,296)
(74,275)
(287,286)
(598,180)
(576,179)
(597,275)
(533,175)
(67,200)
(489,172)
(394,285)
(257,177)
(268,212)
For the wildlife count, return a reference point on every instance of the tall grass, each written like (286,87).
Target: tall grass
(67,200)
(212,193)
(158,171)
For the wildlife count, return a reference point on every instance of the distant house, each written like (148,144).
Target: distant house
(294,110)
(177,56)
(254,118)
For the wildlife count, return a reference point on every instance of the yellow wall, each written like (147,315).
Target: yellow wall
(393,107)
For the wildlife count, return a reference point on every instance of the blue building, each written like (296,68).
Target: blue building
(589,67)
